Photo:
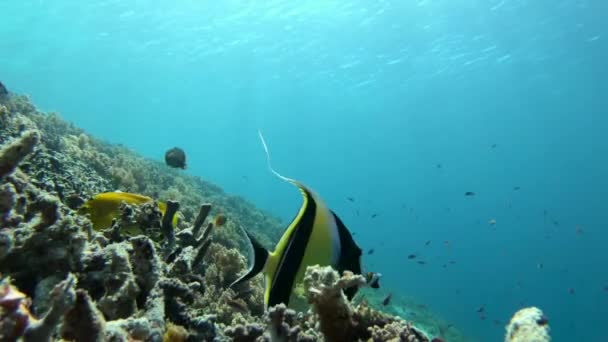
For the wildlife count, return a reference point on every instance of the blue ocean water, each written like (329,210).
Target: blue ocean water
(402,105)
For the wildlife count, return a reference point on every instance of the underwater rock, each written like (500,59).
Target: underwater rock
(528,325)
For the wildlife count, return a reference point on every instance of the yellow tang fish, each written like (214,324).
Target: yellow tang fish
(105,207)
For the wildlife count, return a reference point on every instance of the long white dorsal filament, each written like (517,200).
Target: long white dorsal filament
(268,160)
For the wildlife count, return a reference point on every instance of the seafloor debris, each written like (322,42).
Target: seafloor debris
(167,282)
(528,325)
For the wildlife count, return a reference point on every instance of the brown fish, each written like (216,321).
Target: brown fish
(219,220)
(386,301)
(176,157)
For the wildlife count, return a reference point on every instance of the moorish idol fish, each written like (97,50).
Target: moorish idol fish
(316,236)
(105,207)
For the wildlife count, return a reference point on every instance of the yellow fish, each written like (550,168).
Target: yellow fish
(105,207)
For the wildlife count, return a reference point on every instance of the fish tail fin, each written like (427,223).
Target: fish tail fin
(287,179)
(259,255)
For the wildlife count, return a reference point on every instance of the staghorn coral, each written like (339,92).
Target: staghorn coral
(528,325)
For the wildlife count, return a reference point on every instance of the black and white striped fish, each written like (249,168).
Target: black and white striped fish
(316,236)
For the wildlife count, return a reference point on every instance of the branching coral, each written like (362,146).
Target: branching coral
(243,331)
(339,321)
(329,302)
(286,325)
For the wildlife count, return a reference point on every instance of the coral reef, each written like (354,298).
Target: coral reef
(287,325)
(329,302)
(17,321)
(164,283)
(340,321)
(83,322)
(528,325)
